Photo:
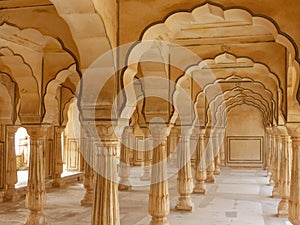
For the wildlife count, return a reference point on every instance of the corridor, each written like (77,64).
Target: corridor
(239,197)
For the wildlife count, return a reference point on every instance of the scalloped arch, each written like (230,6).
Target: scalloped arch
(49,98)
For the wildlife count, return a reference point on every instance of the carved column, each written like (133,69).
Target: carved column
(200,166)
(172,147)
(88,146)
(210,160)
(294,201)
(285,174)
(159,202)
(106,200)
(185,177)
(147,154)
(222,147)
(124,169)
(36,193)
(276,166)
(11,193)
(272,156)
(268,150)
(216,150)
(58,160)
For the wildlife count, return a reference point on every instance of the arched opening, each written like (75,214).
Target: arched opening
(72,159)
(22,150)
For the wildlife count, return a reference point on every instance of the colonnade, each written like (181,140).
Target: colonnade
(101,177)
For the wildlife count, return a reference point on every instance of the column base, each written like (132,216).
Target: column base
(217,171)
(276,192)
(283,208)
(172,161)
(294,212)
(210,178)
(145,176)
(58,182)
(184,204)
(222,164)
(36,218)
(200,188)
(159,221)
(124,186)
(2,196)
(12,195)
(88,198)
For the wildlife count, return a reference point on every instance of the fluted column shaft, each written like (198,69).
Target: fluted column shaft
(276,167)
(200,167)
(36,193)
(209,156)
(285,174)
(294,200)
(87,147)
(268,150)
(172,148)
(58,160)
(272,158)
(124,169)
(216,146)
(11,166)
(222,148)
(159,202)
(185,177)
(106,200)
(147,154)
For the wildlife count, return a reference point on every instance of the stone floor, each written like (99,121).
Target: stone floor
(239,197)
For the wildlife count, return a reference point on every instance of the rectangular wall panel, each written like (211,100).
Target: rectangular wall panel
(73,155)
(2,165)
(245,150)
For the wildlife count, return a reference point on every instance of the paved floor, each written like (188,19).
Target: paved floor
(239,197)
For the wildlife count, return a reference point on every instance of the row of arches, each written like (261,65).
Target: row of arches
(164,76)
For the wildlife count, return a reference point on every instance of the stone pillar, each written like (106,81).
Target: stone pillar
(294,201)
(221,139)
(88,146)
(272,156)
(285,174)
(185,177)
(147,154)
(193,148)
(106,200)
(209,156)
(268,150)
(172,147)
(216,150)
(11,193)
(276,166)
(58,160)
(36,193)
(159,202)
(124,169)
(200,165)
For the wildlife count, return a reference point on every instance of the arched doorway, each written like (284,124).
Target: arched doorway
(22,150)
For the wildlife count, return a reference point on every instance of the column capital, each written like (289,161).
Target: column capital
(294,130)
(126,132)
(11,130)
(199,130)
(106,131)
(186,131)
(159,131)
(37,131)
(59,129)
